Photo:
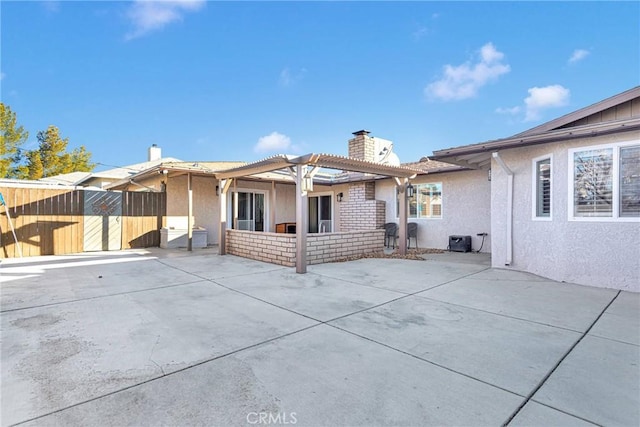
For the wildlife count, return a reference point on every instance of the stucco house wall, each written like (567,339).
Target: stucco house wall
(206,205)
(595,253)
(466,208)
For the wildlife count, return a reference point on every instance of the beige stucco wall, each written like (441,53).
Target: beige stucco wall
(595,253)
(465,208)
(206,205)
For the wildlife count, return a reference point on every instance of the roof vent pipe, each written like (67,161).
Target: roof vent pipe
(505,168)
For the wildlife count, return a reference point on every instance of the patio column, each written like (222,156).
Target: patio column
(402,235)
(190,212)
(302,219)
(272,208)
(222,229)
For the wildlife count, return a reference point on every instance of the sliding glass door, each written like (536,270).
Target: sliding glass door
(248,211)
(320,214)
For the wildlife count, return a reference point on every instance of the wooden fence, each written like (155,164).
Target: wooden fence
(142,217)
(51,221)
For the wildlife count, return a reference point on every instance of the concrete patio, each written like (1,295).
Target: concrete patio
(160,337)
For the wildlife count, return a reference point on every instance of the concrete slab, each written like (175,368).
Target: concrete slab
(461,258)
(157,341)
(564,305)
(28,282)
(534,414)
(319,377)
(509,275)
(506,352)
(212,266)
(598,381)
(60,355)
(400,275)
(319,297)
(621,321)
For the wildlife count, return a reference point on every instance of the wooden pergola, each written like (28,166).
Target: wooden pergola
(302,170)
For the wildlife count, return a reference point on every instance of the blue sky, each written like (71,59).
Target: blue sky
(245,80)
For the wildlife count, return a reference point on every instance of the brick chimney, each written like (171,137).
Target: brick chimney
(362,146)
(155,153)
(361,211)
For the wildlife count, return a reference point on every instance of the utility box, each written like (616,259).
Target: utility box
(460,243)
(171,238)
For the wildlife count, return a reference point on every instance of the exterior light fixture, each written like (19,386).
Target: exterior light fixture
(411,191)
(339,197)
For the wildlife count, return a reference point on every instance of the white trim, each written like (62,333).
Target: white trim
(534,188)
(616,182)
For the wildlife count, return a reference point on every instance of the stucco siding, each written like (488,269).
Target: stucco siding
(466,202)
(206,205)
(595,253)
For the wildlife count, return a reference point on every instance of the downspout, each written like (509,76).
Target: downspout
(505,168)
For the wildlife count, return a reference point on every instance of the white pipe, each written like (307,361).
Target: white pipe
(505,168)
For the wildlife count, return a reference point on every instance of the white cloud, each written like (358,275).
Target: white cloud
(542,98)
(578,55)
(147,15)
(2,76)
(273,142)
(463,81)
(289,78)
(510,110)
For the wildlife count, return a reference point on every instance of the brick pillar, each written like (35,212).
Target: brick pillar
(361,211)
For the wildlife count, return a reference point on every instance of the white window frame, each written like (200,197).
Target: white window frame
(333,205)
(534,188)
(232,201)
(417,218)
(615,214)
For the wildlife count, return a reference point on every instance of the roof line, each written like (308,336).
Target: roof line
(583,112)
(554,136)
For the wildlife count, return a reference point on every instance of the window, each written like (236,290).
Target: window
(605,183)
(426,202)
(630,181)
(542,187)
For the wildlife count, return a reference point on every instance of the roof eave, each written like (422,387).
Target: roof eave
(587,131)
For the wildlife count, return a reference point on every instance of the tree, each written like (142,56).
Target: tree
(51,157)
(12,137)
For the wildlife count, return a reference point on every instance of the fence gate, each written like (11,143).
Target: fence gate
(102,220)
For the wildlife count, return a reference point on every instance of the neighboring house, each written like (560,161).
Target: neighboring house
(104,178)
(565,195)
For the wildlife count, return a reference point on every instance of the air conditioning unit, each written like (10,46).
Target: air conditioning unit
(460,243)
